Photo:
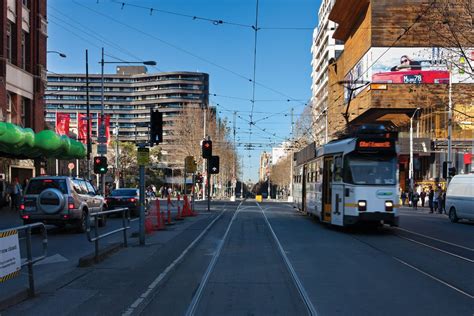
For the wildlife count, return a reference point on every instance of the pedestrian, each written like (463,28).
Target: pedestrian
(404,197)
(415,197)
(16,192)
(436,201)
(443,201)
(423,197)
(431,199)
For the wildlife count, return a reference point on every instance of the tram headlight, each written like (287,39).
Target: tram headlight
(362,205)
(388,206)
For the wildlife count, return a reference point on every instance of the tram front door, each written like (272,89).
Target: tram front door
(327,190)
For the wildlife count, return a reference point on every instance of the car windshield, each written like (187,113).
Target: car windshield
(370,169)
(36,186)
(124,192)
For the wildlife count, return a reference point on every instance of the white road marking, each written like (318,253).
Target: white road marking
(429,237)
(434,278)
(299,285)
(163,274)
(197,296)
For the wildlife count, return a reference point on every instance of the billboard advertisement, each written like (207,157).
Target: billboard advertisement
(409,65)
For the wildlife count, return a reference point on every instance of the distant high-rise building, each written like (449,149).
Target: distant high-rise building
(129,94)
(265,163)
(323,49)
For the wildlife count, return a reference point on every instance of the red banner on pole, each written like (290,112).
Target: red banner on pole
(467,158)
(107,127)
(62,123)
(82,127)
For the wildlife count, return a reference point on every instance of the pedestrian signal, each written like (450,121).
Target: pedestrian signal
(156,127)
(100,165)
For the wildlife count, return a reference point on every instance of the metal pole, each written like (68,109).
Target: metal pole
(102,121)
(29,254)
(193,191)
(96,241)
(410,170)
(89,145)
(117,153)
(204,160)
(208,188)
(124,224)
(234,168)
(142,206)
(450,126)
(290,197)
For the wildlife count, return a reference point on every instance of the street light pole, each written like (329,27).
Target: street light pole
(450,127)
(410,170)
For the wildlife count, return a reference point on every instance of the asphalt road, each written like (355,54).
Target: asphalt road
(425,267)
(268,259)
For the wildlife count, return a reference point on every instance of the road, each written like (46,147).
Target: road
(247,258)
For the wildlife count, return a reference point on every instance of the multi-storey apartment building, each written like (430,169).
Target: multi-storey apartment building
(407,62)
(323,49)
(129,94)
(22,73)
(264,168)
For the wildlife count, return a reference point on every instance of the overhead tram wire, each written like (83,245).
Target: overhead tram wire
(183,50)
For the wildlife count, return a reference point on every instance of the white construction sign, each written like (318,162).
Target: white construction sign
(10,260)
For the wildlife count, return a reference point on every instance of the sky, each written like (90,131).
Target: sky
(140,30)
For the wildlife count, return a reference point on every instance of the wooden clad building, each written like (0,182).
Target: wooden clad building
(399,58)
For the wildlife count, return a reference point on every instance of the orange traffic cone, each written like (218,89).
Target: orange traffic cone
(179,216)
(160,225)
(148,225)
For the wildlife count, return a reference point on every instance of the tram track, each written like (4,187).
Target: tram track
(418,268)
(194,306)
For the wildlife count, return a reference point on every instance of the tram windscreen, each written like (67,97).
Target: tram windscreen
(370,169)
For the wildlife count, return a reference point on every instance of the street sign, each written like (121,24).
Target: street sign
(10,261)
(143,156)
(102,149)
(70,165)
(190,165)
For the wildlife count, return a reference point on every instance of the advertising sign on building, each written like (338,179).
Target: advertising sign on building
(408,65)
(10,260)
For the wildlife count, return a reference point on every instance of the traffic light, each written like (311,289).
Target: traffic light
(156,127)
(100,165)
(214,165)
(452,171)
(445,169)
(206,149)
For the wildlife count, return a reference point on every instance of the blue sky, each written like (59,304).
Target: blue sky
(225,51)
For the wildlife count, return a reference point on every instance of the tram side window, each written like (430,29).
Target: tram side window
(338,169)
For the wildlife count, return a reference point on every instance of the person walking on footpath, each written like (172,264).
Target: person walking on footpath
(423,197)
(16,194)
(431,199)
(415,197)
(404,197)
(436,200)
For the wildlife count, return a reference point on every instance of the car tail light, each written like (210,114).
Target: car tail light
(362,205)
(66,216)
(48,181)
(22,207)
(70,203)
(25,216)
(133,200)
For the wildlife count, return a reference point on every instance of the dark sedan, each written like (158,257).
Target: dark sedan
(126,197)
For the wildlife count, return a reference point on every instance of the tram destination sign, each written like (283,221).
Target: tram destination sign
(383,145)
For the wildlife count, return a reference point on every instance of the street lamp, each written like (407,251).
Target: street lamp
(56,52)
(63,56)
(410,171)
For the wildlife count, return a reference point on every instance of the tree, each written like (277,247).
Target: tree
(304,132)
(450,25)
(280,172)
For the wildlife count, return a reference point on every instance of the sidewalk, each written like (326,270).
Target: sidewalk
(67,291)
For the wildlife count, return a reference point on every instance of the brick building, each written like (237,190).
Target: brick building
(22,73)
(397,65)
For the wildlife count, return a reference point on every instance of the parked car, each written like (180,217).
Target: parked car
(125,197)
(460,198)
(61,200)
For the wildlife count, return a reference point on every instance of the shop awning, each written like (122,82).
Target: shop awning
(24,143)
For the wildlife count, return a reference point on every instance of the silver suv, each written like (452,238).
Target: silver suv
(61,200)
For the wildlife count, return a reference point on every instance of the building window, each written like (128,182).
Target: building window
(23,50)
(9,41)
(8,117)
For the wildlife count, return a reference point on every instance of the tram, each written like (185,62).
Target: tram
(350,180)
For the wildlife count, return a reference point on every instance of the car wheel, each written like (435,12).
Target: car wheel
(82,224)
(453,217)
